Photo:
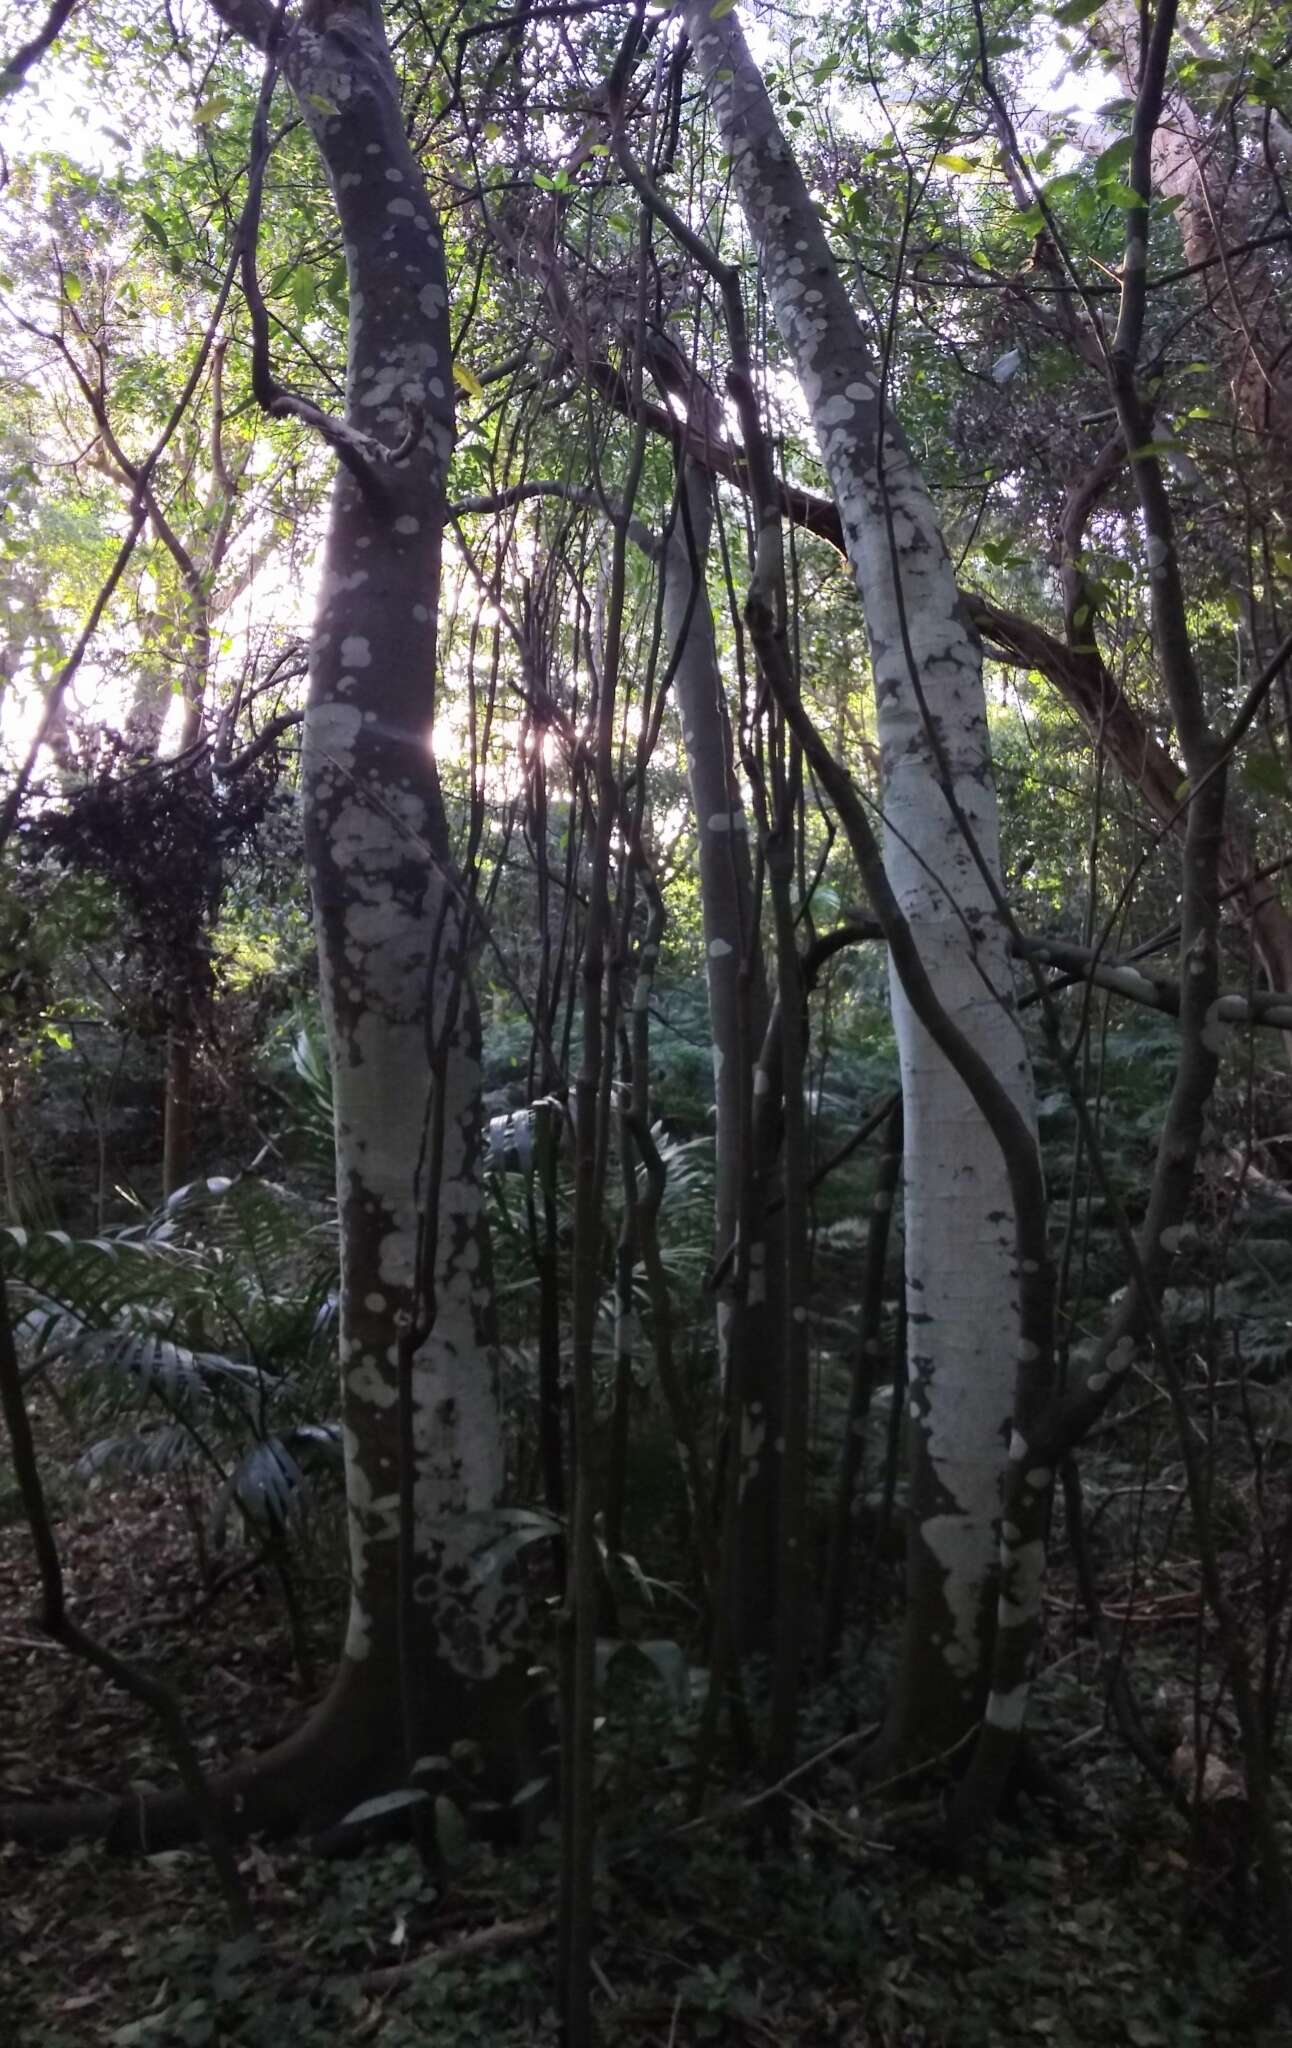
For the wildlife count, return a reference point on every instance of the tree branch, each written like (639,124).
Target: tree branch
(15,68)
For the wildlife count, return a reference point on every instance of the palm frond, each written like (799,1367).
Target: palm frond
(91,1280)
(271,1477)
(159,1366)
(145,1454)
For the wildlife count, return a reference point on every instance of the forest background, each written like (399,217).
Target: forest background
(645,1003)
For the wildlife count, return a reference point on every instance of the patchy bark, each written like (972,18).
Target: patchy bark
(393,931)
(932,726)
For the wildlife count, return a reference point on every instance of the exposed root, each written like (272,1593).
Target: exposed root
(343,1753)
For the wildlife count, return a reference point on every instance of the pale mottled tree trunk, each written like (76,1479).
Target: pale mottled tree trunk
(928,674)
(393,936)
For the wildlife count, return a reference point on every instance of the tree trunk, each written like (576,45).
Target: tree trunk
(177,1131)
(1080,676)
(1204,167)
(393,935)
(736,980)
(932,727)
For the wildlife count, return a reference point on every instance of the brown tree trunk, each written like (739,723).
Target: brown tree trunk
(177,1128)
(739,1010)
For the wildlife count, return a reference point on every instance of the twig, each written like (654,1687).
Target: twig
(16,67)
(484,1941)
(736,1807)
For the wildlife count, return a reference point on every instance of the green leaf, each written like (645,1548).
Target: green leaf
(384,1803)
(1074,12)
(236,1955)
(950,162)
(72,287)
(721,8)
(136,2031)
(451,1833)
(1113,160)
(1263,773)
(670,1662)
(303,292)
(209,110)
(532,1790)
(1122,195)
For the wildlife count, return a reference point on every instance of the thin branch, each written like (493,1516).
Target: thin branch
(15,68)
(234,764)
(483,1941)
(359,452)
(66,675)
(570,494)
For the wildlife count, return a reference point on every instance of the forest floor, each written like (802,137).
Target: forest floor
(1088,1919)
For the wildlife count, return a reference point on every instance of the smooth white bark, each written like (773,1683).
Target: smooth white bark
(932,724)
